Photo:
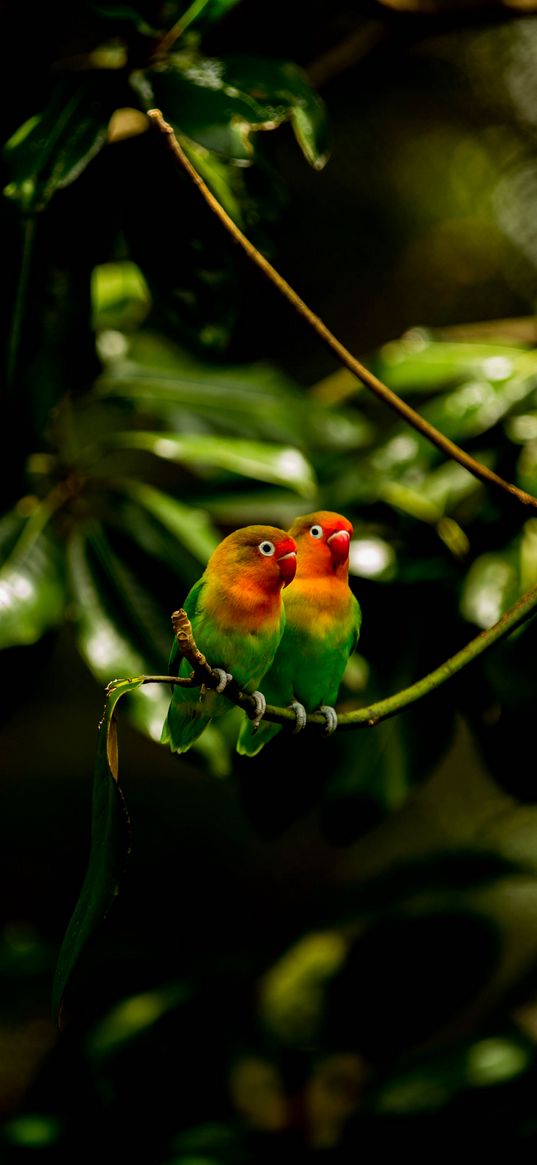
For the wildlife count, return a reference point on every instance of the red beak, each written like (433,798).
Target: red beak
(287,562)
(339,546)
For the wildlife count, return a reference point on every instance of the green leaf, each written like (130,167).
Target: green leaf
(186,524)
(221,104)
(108,852)
(490,588)
(52,148)
(195,98)
(32,585)
(108,644)
(282,87)
(280,464)
(478,405)
(251,400)
(419,363)
(219,176)
(119,295)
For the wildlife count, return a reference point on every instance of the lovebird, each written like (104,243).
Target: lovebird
(237,618)
(322,627)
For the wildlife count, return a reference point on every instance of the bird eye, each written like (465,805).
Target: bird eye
(267,549)
(316,531)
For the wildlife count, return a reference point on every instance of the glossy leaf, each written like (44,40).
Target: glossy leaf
(52,148)
(419,363)
(32,584)
(108,852)
(186,524)
(221,104)
(283,87)
(114,647)
(221,177)
(255,399)
(490,587)
(207,454)
(478,405)
(195,97)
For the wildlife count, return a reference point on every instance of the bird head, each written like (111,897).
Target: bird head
(323,541)
(262,556)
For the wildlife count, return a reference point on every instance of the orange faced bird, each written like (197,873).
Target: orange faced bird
(237,618)
(322,626)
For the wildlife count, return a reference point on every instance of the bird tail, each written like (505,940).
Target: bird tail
(182,726)
(250,742)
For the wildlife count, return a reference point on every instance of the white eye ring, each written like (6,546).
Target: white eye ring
(267,549)
(316,531)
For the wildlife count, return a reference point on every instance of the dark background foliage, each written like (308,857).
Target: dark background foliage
(330,949)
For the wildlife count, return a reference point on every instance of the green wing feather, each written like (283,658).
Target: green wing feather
(246,655)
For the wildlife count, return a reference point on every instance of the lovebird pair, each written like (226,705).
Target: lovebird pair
(297,646)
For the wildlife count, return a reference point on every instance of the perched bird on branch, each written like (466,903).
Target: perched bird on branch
(237,618)
(322,626)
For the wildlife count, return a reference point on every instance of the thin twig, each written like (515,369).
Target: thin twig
(381,390)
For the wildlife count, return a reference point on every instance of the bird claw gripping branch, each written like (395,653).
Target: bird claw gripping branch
(300,716)
(260,708)
(330,716)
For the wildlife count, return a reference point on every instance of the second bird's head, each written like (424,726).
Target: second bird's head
(323,541)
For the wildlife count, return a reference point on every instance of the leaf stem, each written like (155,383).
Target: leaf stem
(180,26)
(372,382)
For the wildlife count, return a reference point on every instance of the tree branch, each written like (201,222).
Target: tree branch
(381,390)
(203,674)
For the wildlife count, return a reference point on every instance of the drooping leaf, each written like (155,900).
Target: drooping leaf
(190,526)
(220,176)
(284,88)
(253,400)
(207,454)
(490,587)
(32,583)
(119,296)
(52,148)
(418,362)
(196,99)
(109,848)
(221,104)
(112,646)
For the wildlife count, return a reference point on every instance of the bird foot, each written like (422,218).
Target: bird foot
(260,706)
(330,716)
(224,680)
(300,716)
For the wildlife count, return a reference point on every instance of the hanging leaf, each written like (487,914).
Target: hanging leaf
(52,148)
(254,400)
(112,646)
(206,454)
(221,104)
(284,88)
(417,362)
(32,585)
(108,852)
(192,527)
